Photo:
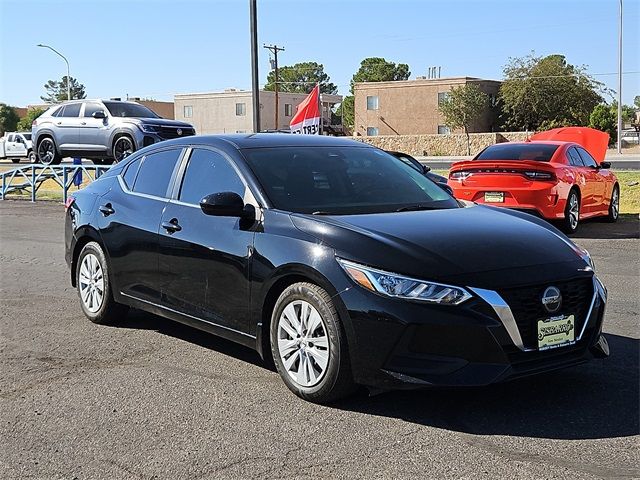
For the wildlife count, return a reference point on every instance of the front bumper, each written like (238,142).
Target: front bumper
(400,344)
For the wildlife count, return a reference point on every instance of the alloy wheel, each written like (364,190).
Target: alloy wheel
(91,283)
(574,211)
(615,203)
(46,151)
(303,343)
(122,148)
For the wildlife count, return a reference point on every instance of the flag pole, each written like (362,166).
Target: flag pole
(321,129)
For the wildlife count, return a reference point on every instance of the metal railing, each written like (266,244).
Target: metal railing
(30,178)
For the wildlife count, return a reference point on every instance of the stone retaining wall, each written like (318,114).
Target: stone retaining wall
(441,145)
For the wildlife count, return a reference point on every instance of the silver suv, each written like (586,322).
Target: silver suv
(102,130)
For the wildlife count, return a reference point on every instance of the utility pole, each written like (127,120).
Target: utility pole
(275,49)
(255,93)
(620,82)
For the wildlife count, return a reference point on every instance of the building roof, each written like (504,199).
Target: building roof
(422,81)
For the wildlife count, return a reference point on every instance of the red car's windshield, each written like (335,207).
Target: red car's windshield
(521,151)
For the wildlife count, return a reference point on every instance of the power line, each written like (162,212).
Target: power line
(274,49)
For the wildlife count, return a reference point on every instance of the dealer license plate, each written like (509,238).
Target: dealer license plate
(494,197)
(556,332)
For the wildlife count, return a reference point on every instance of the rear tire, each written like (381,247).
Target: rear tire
(571,213)
(94,287)
(47,152)
(309,346)
(15,160)
(614,206)
(31,156)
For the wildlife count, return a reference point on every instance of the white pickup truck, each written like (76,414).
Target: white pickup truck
(17,145)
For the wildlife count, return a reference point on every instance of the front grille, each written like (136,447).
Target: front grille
(527,308)
(168,133)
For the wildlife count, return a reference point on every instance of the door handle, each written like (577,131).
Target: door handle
(59,123)
(83,123)
(171,226)
(107,209)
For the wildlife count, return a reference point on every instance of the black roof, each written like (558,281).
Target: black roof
(262,140)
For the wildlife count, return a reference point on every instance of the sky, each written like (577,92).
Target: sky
(157,48)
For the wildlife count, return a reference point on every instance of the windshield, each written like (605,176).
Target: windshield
(342,181)
(518,151)
(121,109)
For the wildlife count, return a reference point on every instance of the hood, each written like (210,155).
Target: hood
(463,243)
(162,121)
(594,141)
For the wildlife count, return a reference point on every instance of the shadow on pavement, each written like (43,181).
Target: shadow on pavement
(596,400)
(627,226)
(140,320)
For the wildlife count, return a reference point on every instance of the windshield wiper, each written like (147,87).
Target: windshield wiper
(320,212)
(413,208)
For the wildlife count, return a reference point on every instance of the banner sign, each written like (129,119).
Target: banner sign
(307,118)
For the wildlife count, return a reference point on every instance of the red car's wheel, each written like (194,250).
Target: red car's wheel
(614,206)
(571,213)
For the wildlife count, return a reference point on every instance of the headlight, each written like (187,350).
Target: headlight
(148,128)
(398,286)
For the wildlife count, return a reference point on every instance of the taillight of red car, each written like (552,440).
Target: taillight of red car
(70,200)
(539,175)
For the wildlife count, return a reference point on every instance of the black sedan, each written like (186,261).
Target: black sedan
(334,259)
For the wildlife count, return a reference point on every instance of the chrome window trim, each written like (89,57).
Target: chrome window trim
(504,313)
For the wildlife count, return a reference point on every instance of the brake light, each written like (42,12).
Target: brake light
(459,175)
(537,175)
(70,201)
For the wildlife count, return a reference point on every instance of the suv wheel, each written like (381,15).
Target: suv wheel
(309,346)
(122,148)
(47,153)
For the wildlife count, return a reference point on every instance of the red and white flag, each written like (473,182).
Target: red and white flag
(307,117)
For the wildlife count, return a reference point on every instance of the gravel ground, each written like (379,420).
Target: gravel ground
(150,399)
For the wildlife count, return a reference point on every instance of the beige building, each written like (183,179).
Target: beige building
(231,111)
(410,107)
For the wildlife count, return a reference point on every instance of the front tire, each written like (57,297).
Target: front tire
(123,147)
(614,206)
(309,346)
(94,287)
(571,213)
(31,156)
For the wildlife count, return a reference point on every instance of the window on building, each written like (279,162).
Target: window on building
(442,97)
(241,109)
(372,102)
(288,109)
(372,131)
(188,111)
(443,130)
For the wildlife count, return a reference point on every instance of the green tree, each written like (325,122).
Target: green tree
(25,123)
(301,78)
(376,69)
(540,91)
(462,107)
(8,118)
(604,118)
(57,91)
(636,101)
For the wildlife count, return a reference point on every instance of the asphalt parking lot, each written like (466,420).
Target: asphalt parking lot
(153,399)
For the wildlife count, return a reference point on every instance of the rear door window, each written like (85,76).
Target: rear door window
(208,172)
(587,159)
(131,172)
(574,158)
(71,110)
(154,175)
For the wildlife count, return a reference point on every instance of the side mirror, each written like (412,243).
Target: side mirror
(446,188)
(426,168)
(605,165)
(99,114)
(226,204)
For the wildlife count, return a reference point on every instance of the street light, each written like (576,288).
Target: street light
(67,61)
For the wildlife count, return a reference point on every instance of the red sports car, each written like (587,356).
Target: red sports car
(559,175)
